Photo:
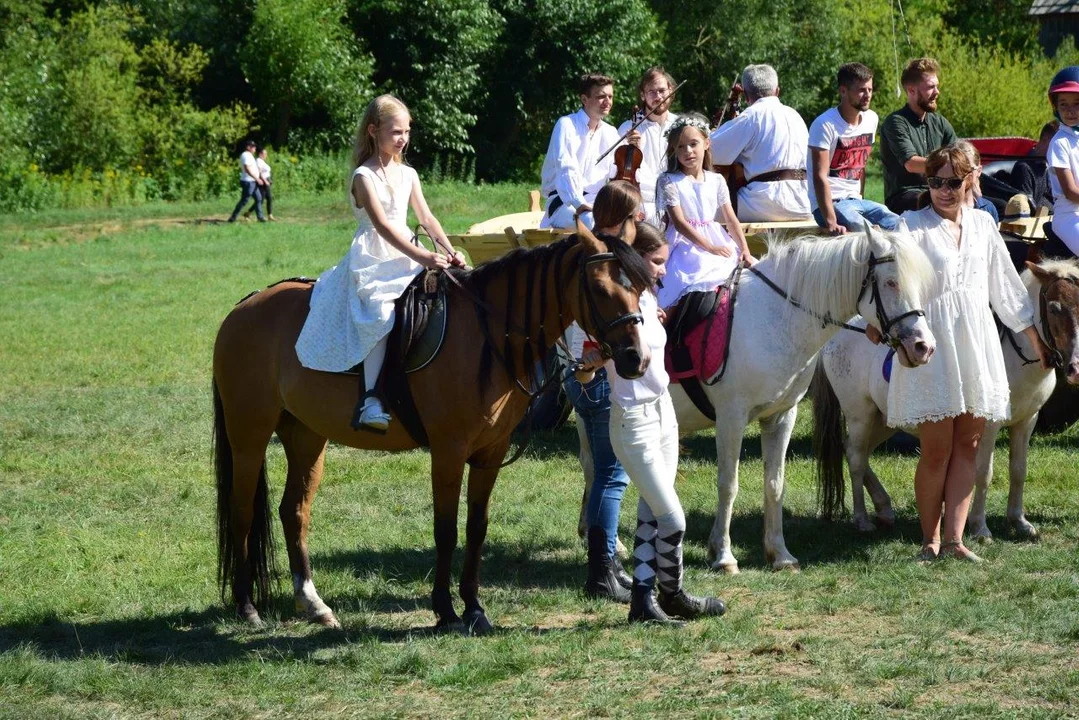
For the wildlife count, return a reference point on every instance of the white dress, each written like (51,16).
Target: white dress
(689,268)
(966,373)
(352,303)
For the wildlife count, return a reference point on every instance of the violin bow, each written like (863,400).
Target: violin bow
(644,116)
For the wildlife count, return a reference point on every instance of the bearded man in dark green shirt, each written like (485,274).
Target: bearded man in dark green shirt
(910,134)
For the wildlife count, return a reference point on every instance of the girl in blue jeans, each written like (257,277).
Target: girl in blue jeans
(616,203)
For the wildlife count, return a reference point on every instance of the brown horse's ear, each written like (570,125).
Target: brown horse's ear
(588,240)
(1043,275)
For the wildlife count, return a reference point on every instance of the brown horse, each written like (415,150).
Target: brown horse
(469,399)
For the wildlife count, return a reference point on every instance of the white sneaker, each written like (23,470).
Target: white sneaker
(373,417)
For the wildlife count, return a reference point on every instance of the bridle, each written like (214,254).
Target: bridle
(603,329)
(1056,357)
(869,282)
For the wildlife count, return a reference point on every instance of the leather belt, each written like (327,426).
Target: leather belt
(778,175)
(554,201)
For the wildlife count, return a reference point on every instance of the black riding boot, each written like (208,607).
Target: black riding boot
(688,607)
(602,577)
(643,608)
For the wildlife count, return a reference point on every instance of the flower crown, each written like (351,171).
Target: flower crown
(691,121)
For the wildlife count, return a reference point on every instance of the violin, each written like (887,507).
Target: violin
(628,158)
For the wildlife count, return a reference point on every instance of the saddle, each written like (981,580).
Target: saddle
(421,316)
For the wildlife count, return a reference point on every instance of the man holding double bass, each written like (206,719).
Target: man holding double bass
(655,91)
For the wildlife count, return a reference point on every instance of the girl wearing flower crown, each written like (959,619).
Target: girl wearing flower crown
(695,199)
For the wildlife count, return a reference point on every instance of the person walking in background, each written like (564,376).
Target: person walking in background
(250,182)
(265,188)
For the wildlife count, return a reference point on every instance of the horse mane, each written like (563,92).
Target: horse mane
(538,263)
(821,272)
(1065,268)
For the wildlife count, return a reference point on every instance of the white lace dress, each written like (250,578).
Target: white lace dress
(966,373)
(690,268)
(352,303)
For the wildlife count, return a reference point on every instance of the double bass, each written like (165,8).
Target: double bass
(734,174)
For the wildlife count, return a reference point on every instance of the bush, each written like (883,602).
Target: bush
(429,53)
(305,65)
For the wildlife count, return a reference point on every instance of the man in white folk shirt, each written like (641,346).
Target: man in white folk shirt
(571,177)
(770,140)
(840,141)
(654,91)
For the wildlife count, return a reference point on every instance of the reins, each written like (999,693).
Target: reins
(485,311)
(1056,358)
(869,282)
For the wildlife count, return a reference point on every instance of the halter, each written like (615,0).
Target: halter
(869,282)
(1055,356)
(585,292)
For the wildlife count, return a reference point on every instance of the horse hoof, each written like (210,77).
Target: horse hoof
(476,623)
(864,525)
(327,620)
(985,538)
(885,522)
(726,568)
(1025,531)
(448,623)
(793,567)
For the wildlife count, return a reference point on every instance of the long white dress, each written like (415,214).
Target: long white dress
(352,304)
(689,268)
(966,373)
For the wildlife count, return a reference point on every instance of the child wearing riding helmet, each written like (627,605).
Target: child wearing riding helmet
(352,304)
(695,199)
(1063,156)
(644,436)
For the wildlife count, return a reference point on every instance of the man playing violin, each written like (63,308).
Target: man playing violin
(571,176)
(770,140)
(654,91)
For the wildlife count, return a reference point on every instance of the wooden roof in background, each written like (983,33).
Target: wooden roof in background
(1054,7)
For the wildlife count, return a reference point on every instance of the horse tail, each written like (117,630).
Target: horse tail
(260,548)
(828,425)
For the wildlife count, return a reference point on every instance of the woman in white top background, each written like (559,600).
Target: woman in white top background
(352,304)
(950,399)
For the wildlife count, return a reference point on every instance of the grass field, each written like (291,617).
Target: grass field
(108,601)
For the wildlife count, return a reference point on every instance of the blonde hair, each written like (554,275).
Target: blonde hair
(384,107)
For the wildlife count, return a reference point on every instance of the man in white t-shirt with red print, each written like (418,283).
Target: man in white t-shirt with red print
(840,141)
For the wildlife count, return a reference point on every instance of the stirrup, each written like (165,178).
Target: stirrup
(370,416)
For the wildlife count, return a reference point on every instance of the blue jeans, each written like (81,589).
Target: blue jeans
(592,403)
(852,213)
(248,189)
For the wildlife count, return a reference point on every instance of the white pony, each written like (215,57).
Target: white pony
(850,383)
(773,350)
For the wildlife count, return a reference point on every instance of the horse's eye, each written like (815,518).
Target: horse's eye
(623,280)
(1056,308)
(892,284)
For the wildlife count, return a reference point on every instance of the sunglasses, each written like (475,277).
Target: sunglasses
(936,183)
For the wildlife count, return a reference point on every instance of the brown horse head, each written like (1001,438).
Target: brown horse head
(607,306)
(1060,311)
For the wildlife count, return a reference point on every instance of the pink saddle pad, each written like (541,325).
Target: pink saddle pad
(706,343)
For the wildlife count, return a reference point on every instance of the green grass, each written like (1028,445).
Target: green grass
(108,601)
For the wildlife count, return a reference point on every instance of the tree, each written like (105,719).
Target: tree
(532,74)
(429,54)
(302,61)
